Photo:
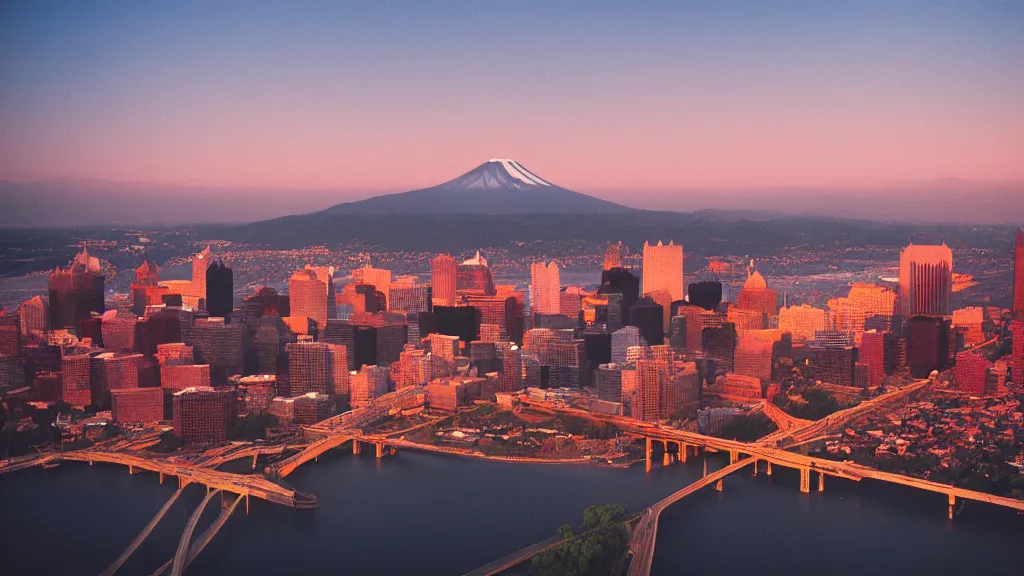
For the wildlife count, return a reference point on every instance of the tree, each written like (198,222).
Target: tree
(590,555)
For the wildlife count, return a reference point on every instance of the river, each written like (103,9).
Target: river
(418,513)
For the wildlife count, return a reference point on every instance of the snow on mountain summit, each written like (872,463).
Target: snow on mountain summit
(496,173)
(498,186)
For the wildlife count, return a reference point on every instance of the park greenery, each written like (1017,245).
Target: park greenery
(598,548)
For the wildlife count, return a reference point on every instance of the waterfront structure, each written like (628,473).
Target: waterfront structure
(755,295)
(308,295)
(137,405)
(801,321)
(443,280)
(76,292)
(926,280)
(663,268)
(202,415)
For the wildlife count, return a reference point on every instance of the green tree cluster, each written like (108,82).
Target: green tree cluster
(594,554)
(252,427)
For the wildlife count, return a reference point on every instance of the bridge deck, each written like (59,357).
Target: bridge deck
(116,565)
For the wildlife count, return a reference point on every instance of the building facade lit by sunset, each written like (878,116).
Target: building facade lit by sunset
(1018,276)
(442,280)
(663,268)
(755,295)
(926,280)
(801,321)
(76,292)
(545,283)
(307,295)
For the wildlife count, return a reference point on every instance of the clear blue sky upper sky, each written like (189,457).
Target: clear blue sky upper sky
(393,95)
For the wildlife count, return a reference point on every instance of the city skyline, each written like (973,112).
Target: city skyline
(384,98)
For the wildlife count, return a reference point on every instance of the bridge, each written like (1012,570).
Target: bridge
(113,568)
(242,484)
(524,554)
(835,422)
(203,539)
(646,531)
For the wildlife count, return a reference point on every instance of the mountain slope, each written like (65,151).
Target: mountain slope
(498,186)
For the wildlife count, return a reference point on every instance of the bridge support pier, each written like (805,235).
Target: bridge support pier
(683,452)
(805,480)
(254,457)
(246,504)
(380,450)
(821,481)
(769,471)
(131,470)
(952,504)
(647,466)
(161,477)
(755,467)
(356,448)
(667,458)
(734,456)
(718,485)
(705,466)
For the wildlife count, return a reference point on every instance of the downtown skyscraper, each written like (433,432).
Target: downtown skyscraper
(663,269)
(1018,276)
(544,288)
(926,280)
(443,280)
(76,292)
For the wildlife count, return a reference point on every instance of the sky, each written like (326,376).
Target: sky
(594,96)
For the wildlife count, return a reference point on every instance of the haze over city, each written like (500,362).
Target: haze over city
(512,289)
(659,106)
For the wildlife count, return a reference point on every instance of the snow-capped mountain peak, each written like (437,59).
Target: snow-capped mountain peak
(497,173)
